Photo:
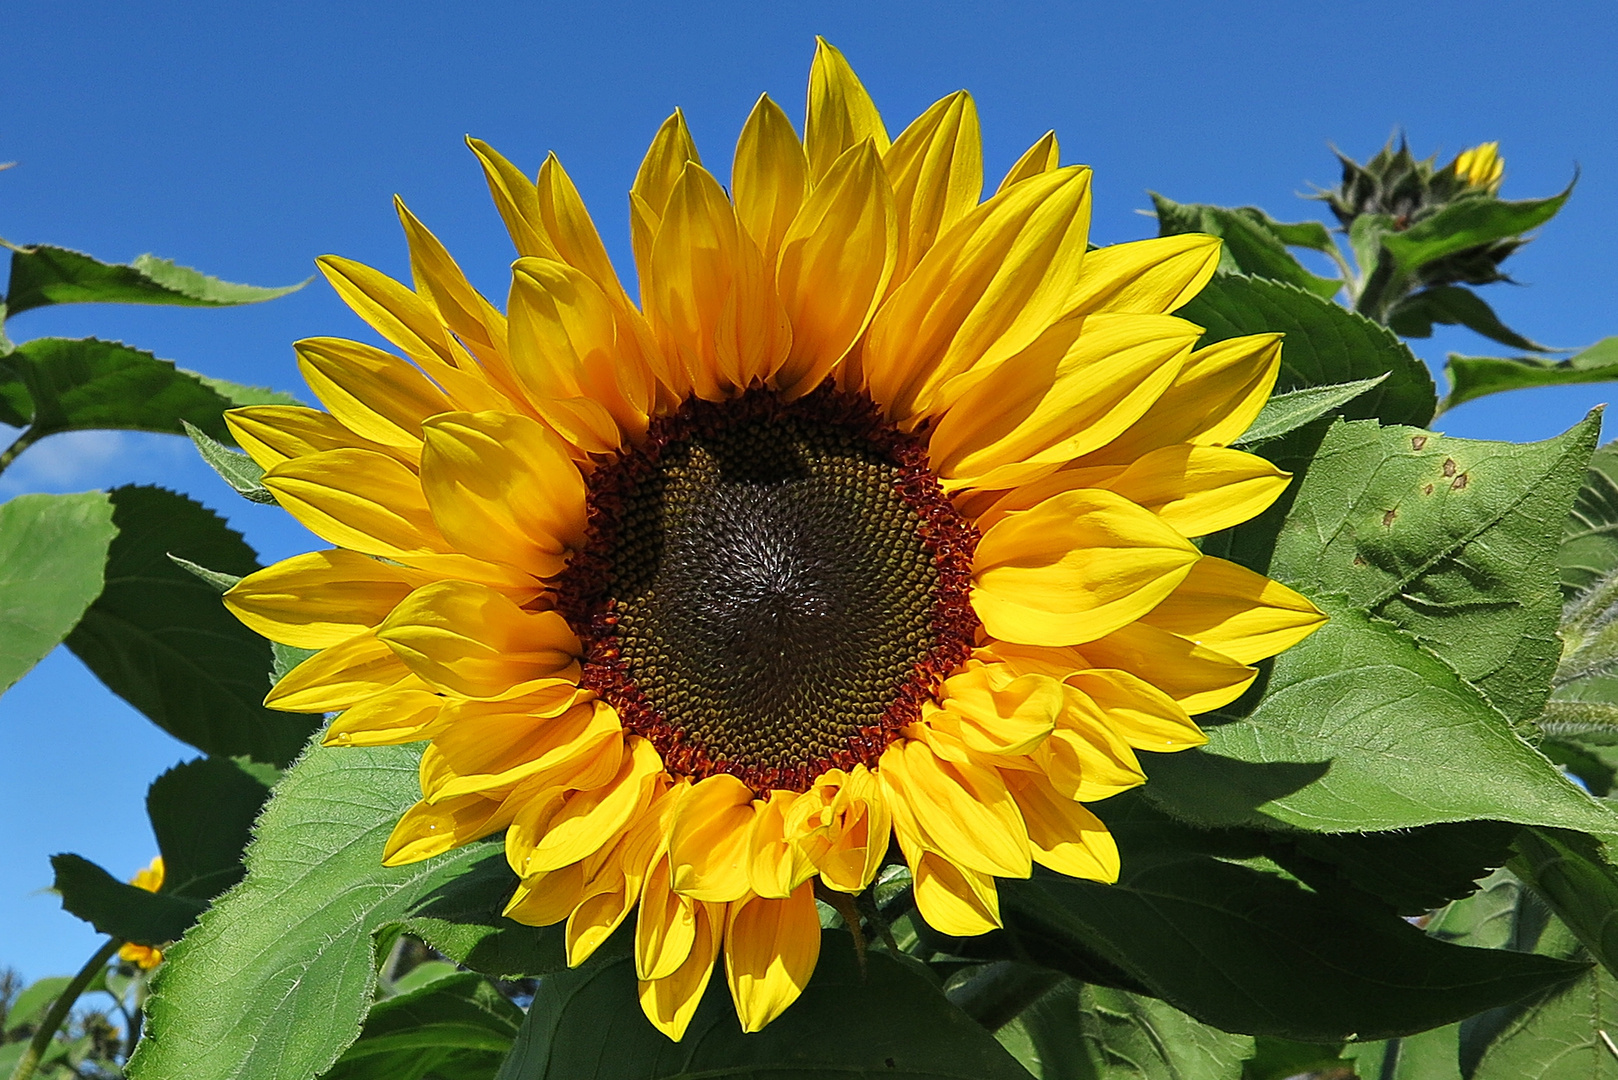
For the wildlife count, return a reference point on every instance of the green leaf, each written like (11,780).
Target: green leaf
(1325,345)
(53,549)
(1453,305)
(15,404)
(1469,223)
(454,1027)
(1079,1031)
(1472,377)
(1280,1059)
(587,1023)
(1414,871)
(119,909)
(1293,409)
(31,1003)
(1567,871)
(222,583)
(1570,1033)
(44,274)
(1433,558)
(235,468)
(1589,550)
(82,383)
(202,813)
(240,394)
(1253,952)
(1254,243)
(277,976)
(162,640)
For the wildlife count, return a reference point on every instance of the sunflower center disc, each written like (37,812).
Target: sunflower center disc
(771,589)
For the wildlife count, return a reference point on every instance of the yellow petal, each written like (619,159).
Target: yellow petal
(670,1002)
(774,863)
(548,898)
(1008,715)
(320,598)
(589,820)
(985,290)
(953,899)
(425,831)
(840,114)
(387,719)
(393,311)
(665,159)
(564,347)
(472,640)
(842,826)
(372,393)
(1087,761)
(357,499)
(516,199)
(503,487)
(834,266)
(708,839)
(711,302)
(1065,836)
(937,168)
(771,946)
(272,434)
(567,221)
(1043,157)
(1200,489)
(962,809)
(1196,677)
(1075,567)
(666,928)
(769,176)
(1216,397)
(1152,277)
(1234,611)
(340,676)
(478,324)
(1146,717)
(486,750)
(614,891)
(1073,390)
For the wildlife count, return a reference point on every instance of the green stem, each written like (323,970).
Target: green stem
(59,1009)
(24,441)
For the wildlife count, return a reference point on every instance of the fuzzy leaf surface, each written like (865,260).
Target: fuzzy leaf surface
(1434,558)
(276,978)
(455,1028)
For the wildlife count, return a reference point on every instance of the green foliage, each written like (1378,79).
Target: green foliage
(76,384)
(1254,243)
(275,980)
(1080,1031)
(1469,223)
(235,468)
(1434,558)
(1452,305)
(44,274)
(888,1021)
(1289,411)
(161,639)
(202,813)
(454,1028)
(119,909)
(53,549)
(1472,377)
(1325,345)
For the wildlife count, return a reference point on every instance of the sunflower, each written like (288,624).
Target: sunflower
(869,522)
(146,957)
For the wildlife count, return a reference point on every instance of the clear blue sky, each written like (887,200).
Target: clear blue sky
(245,139)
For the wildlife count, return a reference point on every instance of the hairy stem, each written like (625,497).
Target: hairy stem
(59,1009)
(24,441)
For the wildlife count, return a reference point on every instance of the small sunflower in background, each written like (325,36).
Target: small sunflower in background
(870,521)
(145,956)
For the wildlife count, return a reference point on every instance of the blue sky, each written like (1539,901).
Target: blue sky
(245,139)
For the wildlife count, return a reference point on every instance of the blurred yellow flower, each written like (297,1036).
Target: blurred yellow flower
(150,879)
(1481,166)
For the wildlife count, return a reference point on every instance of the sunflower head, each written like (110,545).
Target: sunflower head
(867,523)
